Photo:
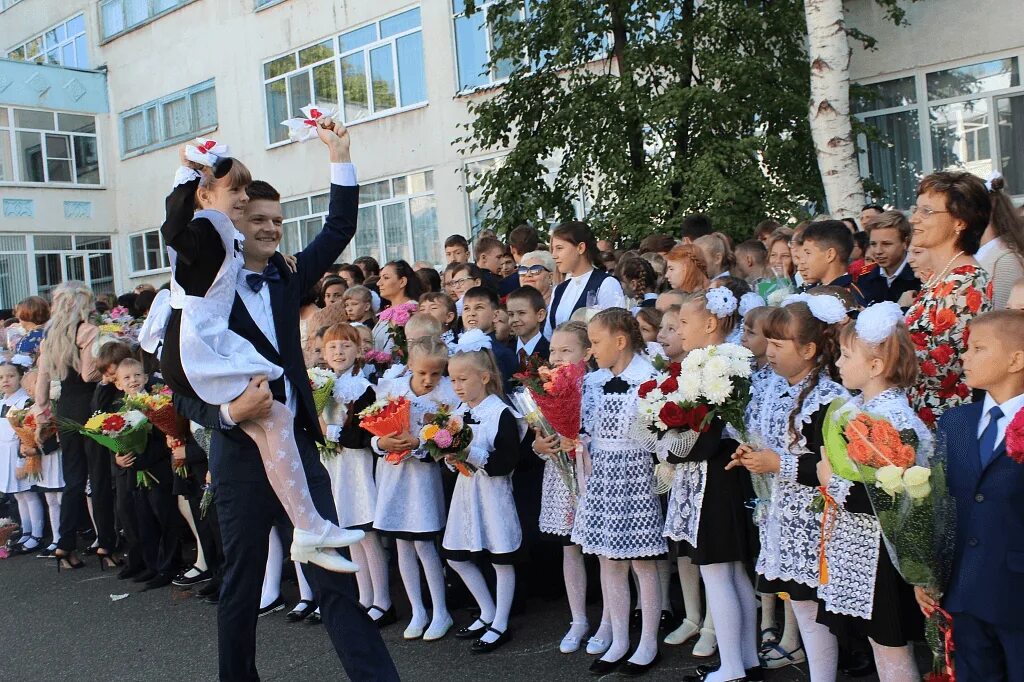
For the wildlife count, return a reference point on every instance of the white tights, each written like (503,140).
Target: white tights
(820,644)
(53,504)
(492,611)
(186,513)
(411,554)
(373,582)
(895,663)
(615,592)
(689,581)
(272,572)
(575,573)
(30,509)
(733,606)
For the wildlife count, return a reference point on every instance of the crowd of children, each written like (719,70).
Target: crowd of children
(833,336)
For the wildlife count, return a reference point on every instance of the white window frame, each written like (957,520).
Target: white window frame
(152,14)
(42,56)
(337,56)
(7,4)
(134,272)
(492,80)
(153,113)
(11,132)
(923,104)
(65,255)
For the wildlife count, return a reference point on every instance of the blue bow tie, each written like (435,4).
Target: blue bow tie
(256,280)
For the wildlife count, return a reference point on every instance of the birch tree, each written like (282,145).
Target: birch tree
(831,128)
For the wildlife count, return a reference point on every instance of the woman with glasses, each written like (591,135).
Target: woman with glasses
(951,215)
(536,269)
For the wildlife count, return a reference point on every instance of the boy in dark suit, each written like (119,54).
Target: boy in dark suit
(526,315)
(984,594)
(825,259)
(889,240)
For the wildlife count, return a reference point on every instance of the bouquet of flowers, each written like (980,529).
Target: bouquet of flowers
(158,407)
(914,510)
(557,392)
(322,382)
(1015,438)
(380,359)
(564,462)
(117,325)
(25,426)
(7,529)
(447,437)
(396,316)
(118,431)
(388,417)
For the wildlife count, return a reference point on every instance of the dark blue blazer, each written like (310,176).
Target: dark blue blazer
(988,555)
(233,455)
(873,283)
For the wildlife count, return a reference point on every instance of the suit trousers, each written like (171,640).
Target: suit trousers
(246,511)
(987,652)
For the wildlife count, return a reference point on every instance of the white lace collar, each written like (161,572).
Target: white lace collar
(349,388)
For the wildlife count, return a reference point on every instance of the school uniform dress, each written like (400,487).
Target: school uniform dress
(557,506)
(482,520)
(410,496)
(51,478)
(790,530)
(571,295)
(619,514)
(707,512)
(352,467)
(10,446)
(865,594)
(983,593)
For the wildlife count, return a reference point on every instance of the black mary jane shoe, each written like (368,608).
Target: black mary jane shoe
(703,671)
(667,623)
(301,611)
(272,607)
(387,617)
(482,647)
(314,618)
(603,667)
(185,582)
(474,633)
(636,669)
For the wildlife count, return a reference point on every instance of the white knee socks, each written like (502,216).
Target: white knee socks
(272,572)
(819,642)
(895,663)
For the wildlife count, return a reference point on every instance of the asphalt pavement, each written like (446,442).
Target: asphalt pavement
(69,627)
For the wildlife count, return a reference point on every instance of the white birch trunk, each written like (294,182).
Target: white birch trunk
(834,143)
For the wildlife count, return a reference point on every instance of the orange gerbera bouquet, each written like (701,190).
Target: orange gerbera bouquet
(389,417)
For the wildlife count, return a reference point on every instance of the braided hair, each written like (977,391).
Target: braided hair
(795,322)
(620,321)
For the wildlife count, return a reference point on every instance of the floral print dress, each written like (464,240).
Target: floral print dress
(938,323)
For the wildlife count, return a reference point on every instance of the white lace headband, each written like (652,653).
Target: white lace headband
(720,302)
(826,308)
(471,341)
(877,322)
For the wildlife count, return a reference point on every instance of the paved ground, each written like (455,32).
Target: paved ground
(66,627)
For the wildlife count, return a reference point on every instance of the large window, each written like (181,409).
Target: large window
(397,219)
(963,118)
(48,146)
(171,119)
(119,16)
(474,42)
(63,44)
(148,253)
(370,71)
(4,4)
(35,264)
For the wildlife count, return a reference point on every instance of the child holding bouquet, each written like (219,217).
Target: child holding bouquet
(202,357)
(787,415)
(707,513)
(51,476)
(410,498)
(350,463)
(864,594)
(569,345)
(985,450)
(619,516)
(482,521)
(12,481)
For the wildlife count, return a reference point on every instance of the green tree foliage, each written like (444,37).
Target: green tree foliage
(656,108)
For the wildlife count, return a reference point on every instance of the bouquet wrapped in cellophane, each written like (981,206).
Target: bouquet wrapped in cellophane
(447,438)
(26,427)
(397,316)
(526,405)
(906,483)
(158,407)
(321,381)
(117,431)
(388,417)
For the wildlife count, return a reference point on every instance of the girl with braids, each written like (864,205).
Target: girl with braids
(619,516)
(351,466)
(483,523)
(685,269)
(787,416)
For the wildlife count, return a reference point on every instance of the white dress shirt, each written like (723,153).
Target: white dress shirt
(1009,408)
(609,295)
(889,279)
(530,345)
(258,303)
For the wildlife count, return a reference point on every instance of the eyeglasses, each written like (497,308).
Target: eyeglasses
(459,282)
(531,270)
(924,211)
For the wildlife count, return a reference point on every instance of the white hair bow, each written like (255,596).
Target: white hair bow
(720,302)
(302,129)
(749,301)
(19,359)
(473,340)
(877,322)
(992,177)
(206,152)
(826,308)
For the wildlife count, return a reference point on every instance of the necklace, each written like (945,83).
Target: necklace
(935,279)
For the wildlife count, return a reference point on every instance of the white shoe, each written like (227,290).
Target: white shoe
(571,643)
(707,645)
(413,632)
(596,646)
(774,657)
(332,536)
(325,557)
(686,631)
(437,630)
